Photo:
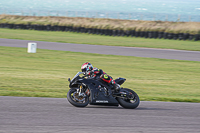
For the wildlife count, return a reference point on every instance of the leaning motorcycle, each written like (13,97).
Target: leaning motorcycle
(93,91)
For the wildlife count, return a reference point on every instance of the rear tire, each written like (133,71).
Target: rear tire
(127,103)
(73,101)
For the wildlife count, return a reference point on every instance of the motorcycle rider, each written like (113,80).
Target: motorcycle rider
(89,71)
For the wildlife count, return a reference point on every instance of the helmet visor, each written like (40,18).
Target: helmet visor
(83,70)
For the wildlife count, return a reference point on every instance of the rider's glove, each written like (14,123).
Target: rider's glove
(101,76)
(88,73)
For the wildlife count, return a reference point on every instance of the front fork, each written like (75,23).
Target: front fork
(80,91)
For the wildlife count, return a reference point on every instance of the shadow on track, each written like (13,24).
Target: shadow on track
(105,107)
(119,107)
(142,108)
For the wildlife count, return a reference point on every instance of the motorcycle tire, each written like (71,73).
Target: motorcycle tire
(126,103)
(74,103)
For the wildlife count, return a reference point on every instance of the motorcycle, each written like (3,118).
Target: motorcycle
(93,91)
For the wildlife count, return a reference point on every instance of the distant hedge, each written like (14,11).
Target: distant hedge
(107,32)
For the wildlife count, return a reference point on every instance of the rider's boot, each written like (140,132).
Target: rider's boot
(115,86)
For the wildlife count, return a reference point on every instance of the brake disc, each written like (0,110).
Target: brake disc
(78,98)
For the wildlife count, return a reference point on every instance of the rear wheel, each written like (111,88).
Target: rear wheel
(76,100)
(129,103)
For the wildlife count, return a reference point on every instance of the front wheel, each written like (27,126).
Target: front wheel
(129,103)
(76,100)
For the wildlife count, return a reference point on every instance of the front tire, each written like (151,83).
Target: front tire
(74,99)
(129,103)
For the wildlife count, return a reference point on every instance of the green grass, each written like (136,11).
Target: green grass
(45,74)
(81,38)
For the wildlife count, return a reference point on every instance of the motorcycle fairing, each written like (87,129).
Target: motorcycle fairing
(98,94)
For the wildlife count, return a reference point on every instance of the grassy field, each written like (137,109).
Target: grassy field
(161,26)
(45,73)
(80,38)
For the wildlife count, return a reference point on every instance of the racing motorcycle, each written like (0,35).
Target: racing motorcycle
(94,91)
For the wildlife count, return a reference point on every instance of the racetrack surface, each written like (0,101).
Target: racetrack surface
(111,50)
(56,115)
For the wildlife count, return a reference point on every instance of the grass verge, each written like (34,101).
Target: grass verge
(45,73)
(160,26)
(80,38)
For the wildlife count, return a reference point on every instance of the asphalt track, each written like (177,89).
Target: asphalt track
(56,115)
(112,50)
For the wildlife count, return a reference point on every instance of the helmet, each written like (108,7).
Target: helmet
(86,67)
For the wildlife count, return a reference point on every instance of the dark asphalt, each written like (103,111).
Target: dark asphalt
(56,115)
(112,50)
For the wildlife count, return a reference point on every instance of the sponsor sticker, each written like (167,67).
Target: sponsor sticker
(101,101)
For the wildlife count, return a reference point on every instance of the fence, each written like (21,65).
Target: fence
(107,32)
(111,15)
